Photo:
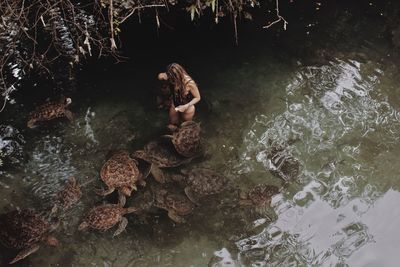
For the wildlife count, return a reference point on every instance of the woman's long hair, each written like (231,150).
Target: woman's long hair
(176,76)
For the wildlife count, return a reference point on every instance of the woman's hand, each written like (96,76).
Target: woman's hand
(182,108)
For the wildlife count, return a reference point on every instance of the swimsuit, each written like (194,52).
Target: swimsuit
(178,98)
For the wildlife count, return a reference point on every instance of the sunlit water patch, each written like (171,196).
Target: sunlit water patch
(342,125)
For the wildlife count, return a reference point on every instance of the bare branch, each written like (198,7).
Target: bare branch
(138,8)
(280,18)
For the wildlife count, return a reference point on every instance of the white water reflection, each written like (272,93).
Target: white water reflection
(340,217)
(88,128)
(358,234)
(49,167)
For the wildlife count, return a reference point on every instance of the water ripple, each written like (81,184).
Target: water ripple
(49,167)
(343,122)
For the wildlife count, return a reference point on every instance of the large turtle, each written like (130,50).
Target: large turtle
(259,196)
(121,172)
(24,230)
(161,154)
(186,139)
(201,182)
(175,203)
(67,196)
(105,216)
(50,110)
(162,196)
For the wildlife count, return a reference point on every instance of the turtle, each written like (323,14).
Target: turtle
(200,182)
(161,154)
(121,172)
(186,139)
(105,216)
(282,164)
(175,203)
(67,196)
(23,230)
(51,110)
(259,196)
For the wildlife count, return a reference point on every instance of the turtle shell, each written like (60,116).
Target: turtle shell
(168,198)
(205,181)
(69,194)
(186,139)
(261,194)
(20,229)
(120,171)
(162,154)
(49,110)
(104,217)
(179,203)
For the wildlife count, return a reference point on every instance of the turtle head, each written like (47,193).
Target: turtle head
(31,123)
(139,154)
(84,225)
(67,101)
(127,190)
(72,181)
(185,171)
(178,178)
(52,241)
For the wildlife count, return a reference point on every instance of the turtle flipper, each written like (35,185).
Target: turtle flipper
(69,115)
(145,171)
(121,227)
(31,123)
(83,226)
(142,182)
(121,198)
(103,192)
(175,217)
(25,253)
(191,195)
(167,136)
(157,174)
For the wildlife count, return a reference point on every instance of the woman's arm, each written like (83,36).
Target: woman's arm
(162,76)
(196,97)
(195,92)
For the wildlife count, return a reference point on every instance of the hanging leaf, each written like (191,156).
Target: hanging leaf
(192,10)
(213,5)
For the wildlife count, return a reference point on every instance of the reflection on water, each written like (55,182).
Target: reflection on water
(11,144)
(337,119)
(49,166)
(336,111)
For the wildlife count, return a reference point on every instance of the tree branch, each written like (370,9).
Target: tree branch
(280,18)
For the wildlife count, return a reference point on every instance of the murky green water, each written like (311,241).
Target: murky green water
(342,211)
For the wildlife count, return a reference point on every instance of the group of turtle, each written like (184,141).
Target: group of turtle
(144,172)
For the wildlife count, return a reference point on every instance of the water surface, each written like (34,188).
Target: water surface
(341,211)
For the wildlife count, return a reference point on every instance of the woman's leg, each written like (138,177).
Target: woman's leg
(173,117)
(188,114)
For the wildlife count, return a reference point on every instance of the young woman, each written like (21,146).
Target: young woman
(184,94)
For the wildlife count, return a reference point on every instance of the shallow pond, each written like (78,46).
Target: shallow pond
(342,210)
